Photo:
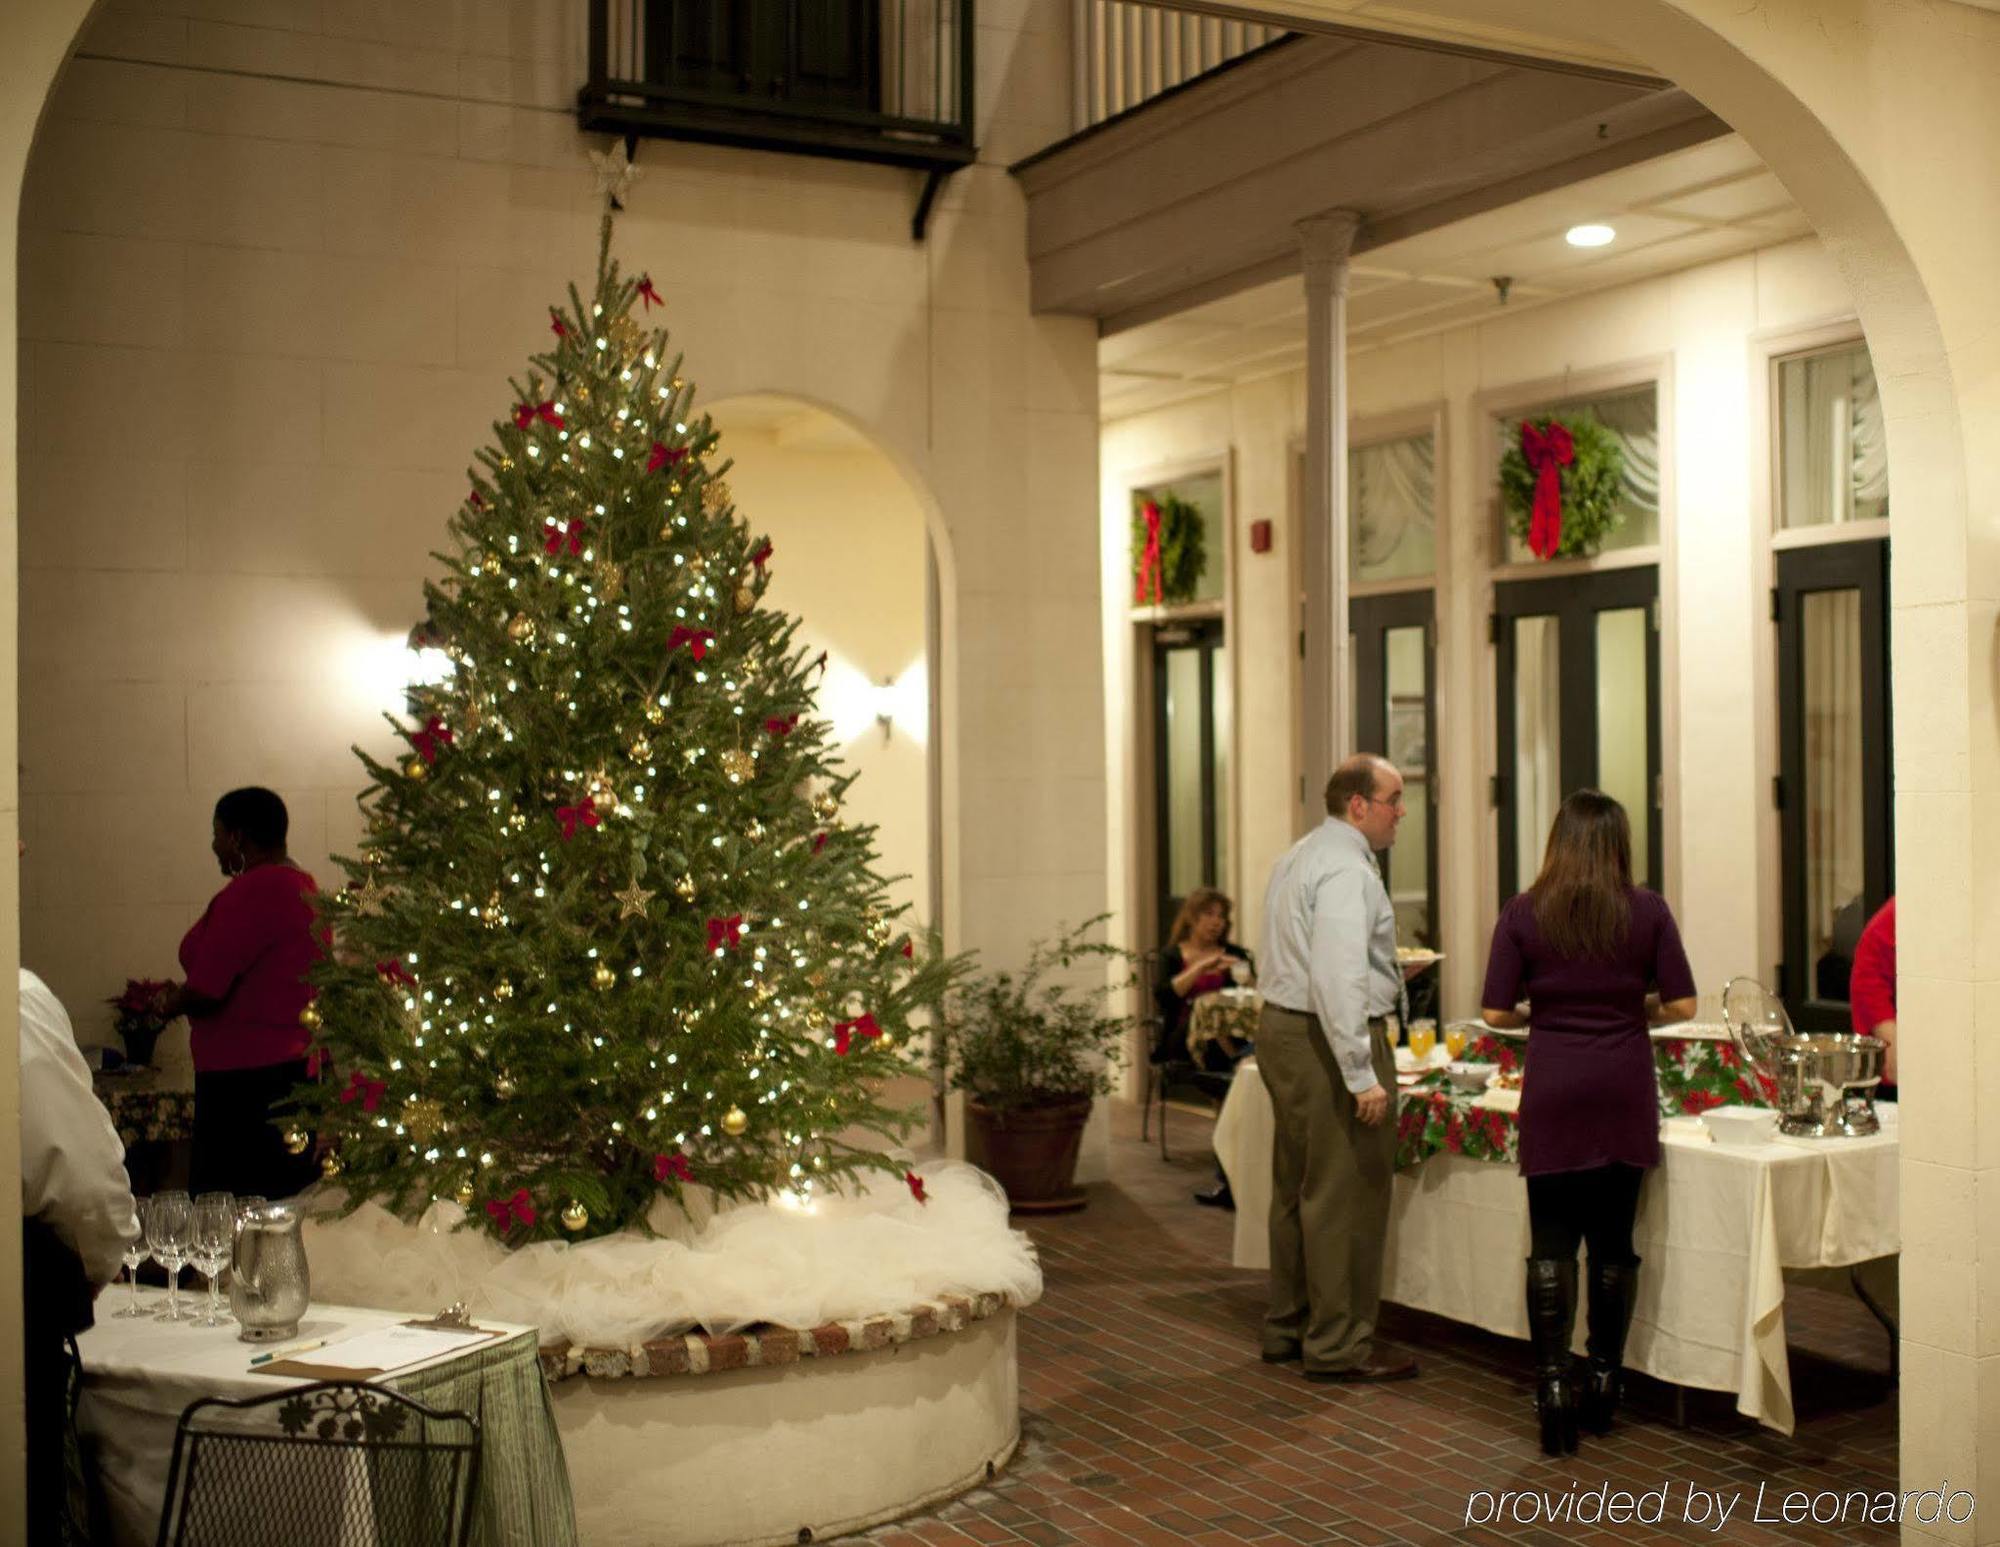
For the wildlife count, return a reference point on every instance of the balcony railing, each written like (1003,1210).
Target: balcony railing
(869,80)
(1127,54)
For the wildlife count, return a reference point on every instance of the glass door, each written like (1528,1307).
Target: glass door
(1834,814)
(1577,663)
(1190,762)
(1395,714)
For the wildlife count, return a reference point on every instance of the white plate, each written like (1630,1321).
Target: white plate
(1419,958)
(1405,1064)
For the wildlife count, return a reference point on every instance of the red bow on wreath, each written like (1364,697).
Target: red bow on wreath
(844,1032)
(1149,560)
(509,1212)
(526,414)
(360,1088)
(665,456)
(430,738)
(557,533)
(723,934)
(1547,452)
(648,294)
(570,816)
(696,639)
(674,1165)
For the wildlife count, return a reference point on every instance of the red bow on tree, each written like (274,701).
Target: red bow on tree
(1149,559)
(556,533)
(428,740)
(364,1090)
(475,501)
(820,664)
(648,294)
(556,324)
(317,1059)
(665,456)
(910,950)
(392,970)
(526,414)
(1547,452)
(762,556)
(509,1212)
(569,816)
(674,1165)
(723,934)
(819,842)
(844,1032)
(782,724)
(916,1185)
(696,639)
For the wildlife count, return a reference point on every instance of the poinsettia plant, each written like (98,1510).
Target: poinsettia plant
(141,1013)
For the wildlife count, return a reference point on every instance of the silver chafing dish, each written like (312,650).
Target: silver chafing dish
(1826,1080)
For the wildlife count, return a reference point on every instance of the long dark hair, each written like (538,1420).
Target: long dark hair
(1581,900)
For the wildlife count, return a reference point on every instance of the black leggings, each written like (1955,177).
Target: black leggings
(1566,1208)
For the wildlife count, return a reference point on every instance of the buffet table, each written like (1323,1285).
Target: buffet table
(138,1376)
(1717,1228)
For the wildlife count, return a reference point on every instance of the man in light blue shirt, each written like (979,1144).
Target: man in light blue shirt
(1330,982)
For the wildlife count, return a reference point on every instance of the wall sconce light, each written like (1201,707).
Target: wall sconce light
(882,699)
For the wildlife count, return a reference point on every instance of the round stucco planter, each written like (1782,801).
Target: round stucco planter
(786,1436)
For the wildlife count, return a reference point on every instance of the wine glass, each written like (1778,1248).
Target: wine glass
(169,1229)
(135,1258)
(1239,972)
(214,1243)
(1423,1037)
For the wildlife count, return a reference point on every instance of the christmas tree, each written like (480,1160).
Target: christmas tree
(607,937)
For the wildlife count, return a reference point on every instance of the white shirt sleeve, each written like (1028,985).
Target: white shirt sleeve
(1340,974)
(72,1163)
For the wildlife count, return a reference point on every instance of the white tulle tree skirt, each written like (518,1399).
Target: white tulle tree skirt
(717,1270)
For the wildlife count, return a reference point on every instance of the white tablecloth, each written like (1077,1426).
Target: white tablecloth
(139,1374)
(1717,1228)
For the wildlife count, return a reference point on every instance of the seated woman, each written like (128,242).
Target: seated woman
(1197,961)
(246,960)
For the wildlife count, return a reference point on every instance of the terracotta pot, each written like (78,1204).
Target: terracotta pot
(1031,1151)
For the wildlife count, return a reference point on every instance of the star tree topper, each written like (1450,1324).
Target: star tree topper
(615,173)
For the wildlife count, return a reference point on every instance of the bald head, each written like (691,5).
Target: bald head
(1366,792)
(1360,776)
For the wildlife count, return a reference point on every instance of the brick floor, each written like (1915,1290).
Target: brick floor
(1147,1417)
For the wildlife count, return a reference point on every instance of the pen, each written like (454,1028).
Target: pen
(286,1353)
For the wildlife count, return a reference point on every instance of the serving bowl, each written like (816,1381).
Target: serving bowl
(1469,1077)
(1740,1126)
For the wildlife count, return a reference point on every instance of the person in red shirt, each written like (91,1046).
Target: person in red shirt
(1871,990)
(246,961)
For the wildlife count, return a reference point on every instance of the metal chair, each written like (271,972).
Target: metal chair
(335,1464)
(1165,1072)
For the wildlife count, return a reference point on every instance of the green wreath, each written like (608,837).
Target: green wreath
(1592,484)
(1183,550)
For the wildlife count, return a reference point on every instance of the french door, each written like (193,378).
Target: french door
(1395,714)
(1190,762)
(1577,661)
(1836,838)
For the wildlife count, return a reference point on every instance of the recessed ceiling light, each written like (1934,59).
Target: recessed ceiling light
(1589,236)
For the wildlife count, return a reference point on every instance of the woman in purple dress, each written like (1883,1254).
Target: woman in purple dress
(1597,959)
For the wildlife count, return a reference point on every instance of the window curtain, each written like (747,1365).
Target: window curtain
(1537,740)
(1634,418)
(1835,865)
(1391,492)
(1835,445)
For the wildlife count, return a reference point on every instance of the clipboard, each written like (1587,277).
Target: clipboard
(424,1351)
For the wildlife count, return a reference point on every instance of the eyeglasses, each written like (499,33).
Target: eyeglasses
(1394,802)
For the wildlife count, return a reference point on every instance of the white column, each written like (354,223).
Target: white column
(1325,241)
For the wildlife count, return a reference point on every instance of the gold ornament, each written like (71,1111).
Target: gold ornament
(880,932)
(503,1085)
(676,384)
(817,1020)
(603,976)
(765,991)
(506,464)
(329,1165)
(416,768)
(656,714)
(521,628)
(734,1122)
(490,914)
(885,1041)
(296,1140)
(632,901)
(626,337)
(745,598)
(755,831)
(640,751)
(610,580)
(684,888)
(369,899)
(737,764)
(424,1118)
(574,1216)
(464,1193)
(582,393)
(715,496)
(696,569)
(673,490)
(310,1017)
(503,989)
(518,820)
(490,562)
(825,805)
(816,978)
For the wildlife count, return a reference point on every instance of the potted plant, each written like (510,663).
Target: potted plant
(1031,1050)
(141,1016)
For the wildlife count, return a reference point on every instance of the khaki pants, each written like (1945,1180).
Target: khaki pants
(1330,1177)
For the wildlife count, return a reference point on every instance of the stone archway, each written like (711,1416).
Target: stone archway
(1878,117)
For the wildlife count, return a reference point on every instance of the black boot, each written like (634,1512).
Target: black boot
(1613,1286)
(1551,1319)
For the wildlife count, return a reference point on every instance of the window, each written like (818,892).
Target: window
(1633,415)
(1204,492)
(1391,500)
(1833,454)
